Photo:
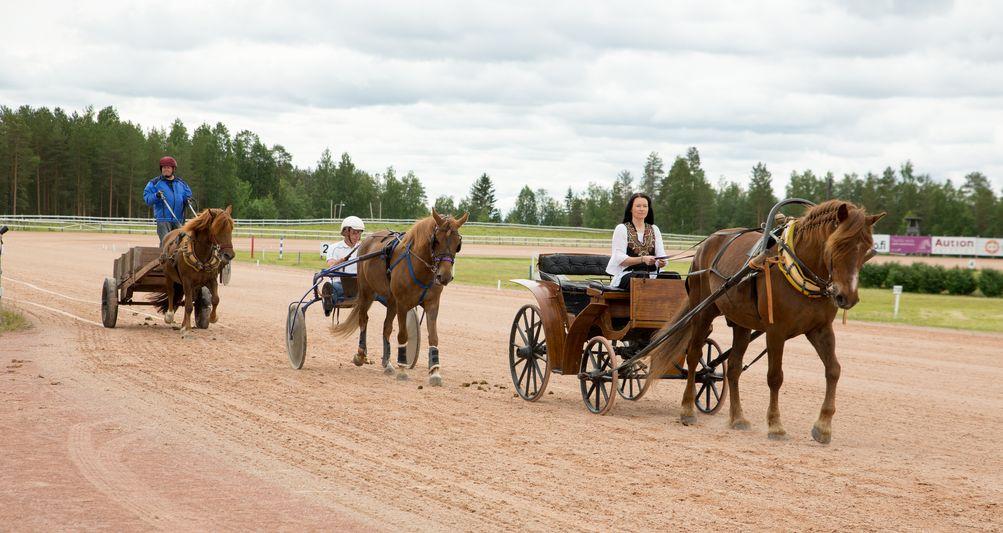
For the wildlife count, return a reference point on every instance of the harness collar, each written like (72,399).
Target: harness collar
(797,273)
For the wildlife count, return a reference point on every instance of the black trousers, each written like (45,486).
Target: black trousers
(163,228)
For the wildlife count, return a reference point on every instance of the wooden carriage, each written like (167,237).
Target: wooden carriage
(582,326)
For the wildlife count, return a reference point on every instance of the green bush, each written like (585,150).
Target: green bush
(901,275)
(930,279)
(960,281)
(873,276)
(991,282)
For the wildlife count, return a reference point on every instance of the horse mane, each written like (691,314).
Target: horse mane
(212,221)
(420,233)
(820,226)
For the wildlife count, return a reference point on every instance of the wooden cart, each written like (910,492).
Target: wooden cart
(585,328)
(138,271)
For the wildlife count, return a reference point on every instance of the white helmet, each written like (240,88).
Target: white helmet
(353,222)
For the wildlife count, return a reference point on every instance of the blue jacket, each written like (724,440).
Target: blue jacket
(176,193)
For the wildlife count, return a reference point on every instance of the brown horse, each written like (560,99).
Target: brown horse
(417,265)
(191,258)
(833,240)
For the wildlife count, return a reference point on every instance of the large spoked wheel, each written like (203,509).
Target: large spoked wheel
(413,338)
(527,354)
(711,383)
(630,385)
(296,335)
(598,375)
(109,302)
(203,308)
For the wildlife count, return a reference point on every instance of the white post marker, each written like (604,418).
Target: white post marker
(499,284)
(282,238)
(897,291)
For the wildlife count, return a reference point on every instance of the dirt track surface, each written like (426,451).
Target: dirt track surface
(134,428)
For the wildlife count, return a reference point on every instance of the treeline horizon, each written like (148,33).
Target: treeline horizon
(96,164)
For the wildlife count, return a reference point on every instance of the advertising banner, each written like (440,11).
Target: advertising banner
(953,245)
(882,243)
(989,247)
(902,244)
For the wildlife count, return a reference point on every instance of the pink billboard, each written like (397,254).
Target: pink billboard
(902,244)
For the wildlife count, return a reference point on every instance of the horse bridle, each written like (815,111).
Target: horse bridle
(442,257)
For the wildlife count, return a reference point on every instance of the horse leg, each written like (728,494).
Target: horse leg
(169,314)
(775,378)
(186,324)
(214,288)
(401,344)
(824,341)
(701,330)
(740,342)
(388,328)
(364,303)
(431,313)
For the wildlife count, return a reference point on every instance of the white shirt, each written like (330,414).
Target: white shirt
(619,251)
(339,251)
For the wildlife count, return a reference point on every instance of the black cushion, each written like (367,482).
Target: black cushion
(574,264)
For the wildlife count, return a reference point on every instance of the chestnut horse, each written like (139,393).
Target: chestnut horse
(191,258)
(415,268)
(833,240)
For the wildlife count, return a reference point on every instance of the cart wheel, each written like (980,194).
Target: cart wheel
(203,308)
(296,335)
(527,354)
(630,386)
(711,383)
(224,274)
(109,302)
(598,375)
(413,338)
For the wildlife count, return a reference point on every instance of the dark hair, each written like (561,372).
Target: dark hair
(627,216)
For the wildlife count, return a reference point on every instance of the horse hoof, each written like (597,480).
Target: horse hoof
(741,425)
(821,438)
(213,319)
(359,359)
(389,370)
(402,376)
(777,435)
(435,381)
(688,420)
(168,318)
(184,333)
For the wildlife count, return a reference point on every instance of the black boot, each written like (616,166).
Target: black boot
(327,297)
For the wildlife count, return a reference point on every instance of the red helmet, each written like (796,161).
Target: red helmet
(168,161)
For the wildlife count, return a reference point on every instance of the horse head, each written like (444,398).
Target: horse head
(444,243)
(221,231)
(848,245)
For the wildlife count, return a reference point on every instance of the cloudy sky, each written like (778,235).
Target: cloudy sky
(550,94)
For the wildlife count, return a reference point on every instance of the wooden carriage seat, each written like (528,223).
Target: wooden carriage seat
(556,268)
(351,285)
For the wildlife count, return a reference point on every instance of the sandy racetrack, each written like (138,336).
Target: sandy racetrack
(132,428)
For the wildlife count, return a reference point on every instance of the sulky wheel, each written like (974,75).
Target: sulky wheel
(527,354)
(296,335)
(203,307)
(224,273)
(711,383)
(598,375)
(413,337)
(109,302)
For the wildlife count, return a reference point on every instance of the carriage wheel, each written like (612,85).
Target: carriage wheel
(413,338)
(711,383)
(598,375)
(630,385)
(224,274)
(527,354)
(109,302)
(203,308)
(296,335)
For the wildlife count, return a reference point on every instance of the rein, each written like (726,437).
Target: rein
(433,266)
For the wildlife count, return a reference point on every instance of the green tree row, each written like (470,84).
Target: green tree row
(94,163)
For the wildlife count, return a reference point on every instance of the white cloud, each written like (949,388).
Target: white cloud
(552,95)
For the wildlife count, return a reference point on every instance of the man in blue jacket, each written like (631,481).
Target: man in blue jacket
(167,189)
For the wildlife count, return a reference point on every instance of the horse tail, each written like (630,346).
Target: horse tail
(159,298)
(669,352)
(347,326)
